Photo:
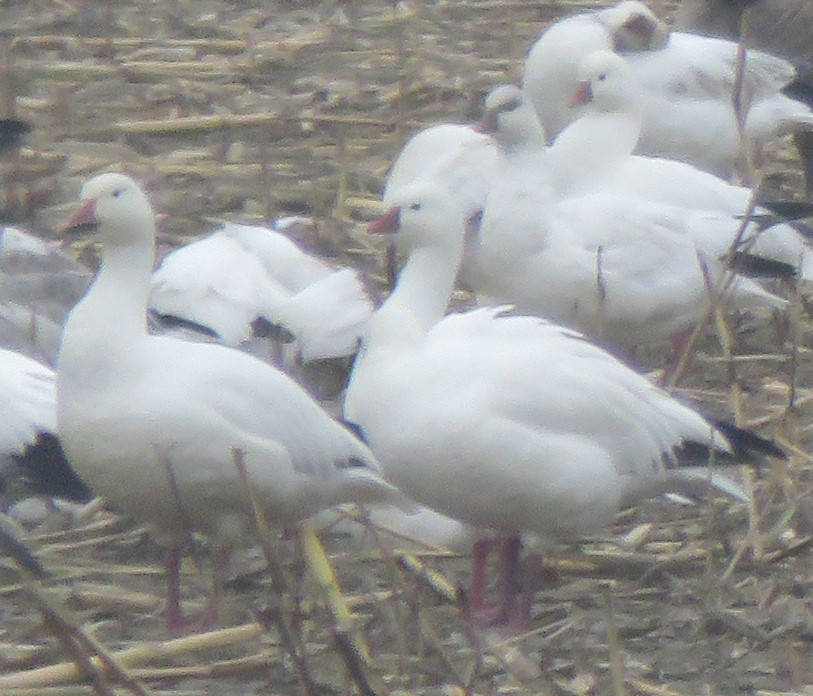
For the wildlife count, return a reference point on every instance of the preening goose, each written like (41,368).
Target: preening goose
(152,423)
(687,85)
(509,423)
(243,274)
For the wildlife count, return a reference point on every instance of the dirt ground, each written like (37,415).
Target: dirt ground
(247,110)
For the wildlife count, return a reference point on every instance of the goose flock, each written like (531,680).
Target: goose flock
(586,213)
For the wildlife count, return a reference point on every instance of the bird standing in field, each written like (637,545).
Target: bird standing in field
(154,423)
(510,423)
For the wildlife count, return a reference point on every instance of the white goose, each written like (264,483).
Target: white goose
(152,423)
(242,274)
(31,459)
(594,153)
(465,161)
(617,266)
(508,423)
(688,84)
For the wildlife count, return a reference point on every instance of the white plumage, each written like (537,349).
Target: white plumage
(463,159)
(556,242)
(594,154)
(687,81)
(241,273)
(506,422)
(152,423)
(27,402)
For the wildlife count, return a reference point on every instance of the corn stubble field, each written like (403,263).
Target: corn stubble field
(244,111)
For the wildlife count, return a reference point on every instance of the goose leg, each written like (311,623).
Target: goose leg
(482,548)
(510,580)
(178,624)
(176,621)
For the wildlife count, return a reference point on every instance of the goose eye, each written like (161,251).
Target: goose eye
(602,77)
(512,105)
(117,193)
(415,206)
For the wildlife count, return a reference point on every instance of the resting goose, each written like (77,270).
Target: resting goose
(152,423)
(509,423)
(594,153)
(240,275)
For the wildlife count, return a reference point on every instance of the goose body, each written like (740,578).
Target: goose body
(779,27)
(152,423)
(509,423)
(623,270)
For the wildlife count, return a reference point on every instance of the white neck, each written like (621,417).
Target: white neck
(420,297)
(592,149)
(113,313)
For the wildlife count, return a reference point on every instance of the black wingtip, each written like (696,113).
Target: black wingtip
(789,210)
(45,470)
(747,444)
(354,428)
(167,322)
(12,131)
(760,267)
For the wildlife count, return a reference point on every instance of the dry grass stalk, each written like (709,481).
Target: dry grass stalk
(248,664)
(435,581)
(65,672)
(56,41)
(91,659)
(614,644)
(654,689)
(192,124)
(77,690)
(286,622)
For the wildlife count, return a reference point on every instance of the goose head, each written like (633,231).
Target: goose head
(606,83)
(423,215)
(633,27)
(118,211)
(511,119)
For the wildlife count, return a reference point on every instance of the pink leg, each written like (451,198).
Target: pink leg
(509,582)
(680,341)
(176,622)
(531,572)
(509,577)
(482,547)
(509,549)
